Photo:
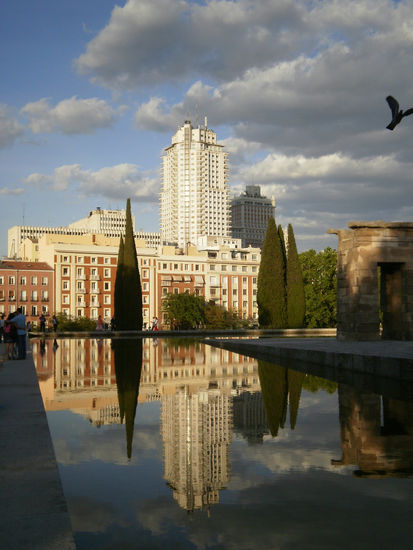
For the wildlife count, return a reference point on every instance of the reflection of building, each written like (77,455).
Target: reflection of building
(249,416)
(196,385)
(196,431)
(194,197)
(250,213)
(376,433)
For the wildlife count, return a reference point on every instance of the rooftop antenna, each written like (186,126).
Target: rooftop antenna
(196,115)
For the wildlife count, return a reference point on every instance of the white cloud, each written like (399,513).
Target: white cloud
(120,181)
(70,116)
(10,128)
(11,191)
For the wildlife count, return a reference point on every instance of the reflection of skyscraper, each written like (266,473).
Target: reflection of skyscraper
(249,416)
(376,433)
(196,432)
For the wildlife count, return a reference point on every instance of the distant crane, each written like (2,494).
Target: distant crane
(396,112)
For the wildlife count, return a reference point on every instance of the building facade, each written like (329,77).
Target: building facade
(250,213)
(29,285)
(110,223)
(194,198)
(85,272)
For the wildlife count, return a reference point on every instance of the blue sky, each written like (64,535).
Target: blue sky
(92,92)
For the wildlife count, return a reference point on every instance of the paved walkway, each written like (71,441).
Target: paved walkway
(386,358)
(33,510)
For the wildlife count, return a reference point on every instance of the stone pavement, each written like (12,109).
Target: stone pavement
(33,510)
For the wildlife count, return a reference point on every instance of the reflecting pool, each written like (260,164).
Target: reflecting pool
(178,445)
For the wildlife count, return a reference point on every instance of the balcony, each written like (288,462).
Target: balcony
(81,277)
(94,278)
(94,291)
(94,304)
(44,299)
(81,290)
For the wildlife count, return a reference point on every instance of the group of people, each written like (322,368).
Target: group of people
(13,331)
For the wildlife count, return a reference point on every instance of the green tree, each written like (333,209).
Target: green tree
(271,297)
(217,317)
(294,284)
(128,286)
(184,311)
(320,287)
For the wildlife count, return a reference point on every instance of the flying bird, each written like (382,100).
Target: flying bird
(396,112)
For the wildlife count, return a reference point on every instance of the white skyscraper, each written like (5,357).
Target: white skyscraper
(194,197)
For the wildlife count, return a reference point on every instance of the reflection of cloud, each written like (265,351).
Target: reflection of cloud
(107,444)
(90,515)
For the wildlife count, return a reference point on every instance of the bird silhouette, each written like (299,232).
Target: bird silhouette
(396,112)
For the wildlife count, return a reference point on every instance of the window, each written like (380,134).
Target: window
(106,312)
(45,310)
(45,295)
(45,281)
(106,299)
(144,286)
(244,268)
(65,285)
(106,272)
(176,290)
(65,298)
(65,272)
(223,267)
(34,296)
(234,268)
(80,259)
(213,280)
(175,266)
(34,280)
(212,267)
(34,310)
(93,286)
(145,273)
(164,291)
(12,280)
(1,280)
(23,280)
(93,260)
(65,259)
(164,266)
(107,260)
(254,268)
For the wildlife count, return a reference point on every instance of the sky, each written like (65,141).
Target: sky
(92,92)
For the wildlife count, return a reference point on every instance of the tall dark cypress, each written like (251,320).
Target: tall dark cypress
(271,297)
(129,307)
(294,284)
(273,380)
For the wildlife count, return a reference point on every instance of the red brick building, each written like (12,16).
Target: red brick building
(28,285)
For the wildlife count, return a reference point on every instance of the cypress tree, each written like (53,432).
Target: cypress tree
(271,297)
(129,292)
(294,284)
(283,248)
(295,384)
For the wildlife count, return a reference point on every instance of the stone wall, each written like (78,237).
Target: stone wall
(362,249)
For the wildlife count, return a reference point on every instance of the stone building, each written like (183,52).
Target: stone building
(375,281)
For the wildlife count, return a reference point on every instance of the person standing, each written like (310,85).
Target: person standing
(42,320)
(99,324)
(155,323)
(1,327)
(10,335)
(55,323)
(20,322)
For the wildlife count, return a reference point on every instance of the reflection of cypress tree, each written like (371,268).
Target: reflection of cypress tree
(295,383)
(128,365)
(273,379)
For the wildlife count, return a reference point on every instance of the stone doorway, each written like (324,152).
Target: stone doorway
(391,299)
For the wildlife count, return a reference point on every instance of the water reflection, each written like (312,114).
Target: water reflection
(209,397)
(376,433)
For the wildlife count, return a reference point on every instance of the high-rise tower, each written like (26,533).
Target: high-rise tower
(194,197)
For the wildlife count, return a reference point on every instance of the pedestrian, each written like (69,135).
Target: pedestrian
(29,326)
(42,320)
(112,324)
(2,327)
(19,321)
(10,335)
(55,323)
(155,323)
(99,324)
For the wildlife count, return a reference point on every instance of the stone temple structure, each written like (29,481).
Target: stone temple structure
(375,281)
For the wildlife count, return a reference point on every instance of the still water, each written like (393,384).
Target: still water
(177,445)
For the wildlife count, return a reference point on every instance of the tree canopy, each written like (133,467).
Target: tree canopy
(294,284)
(320,287)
